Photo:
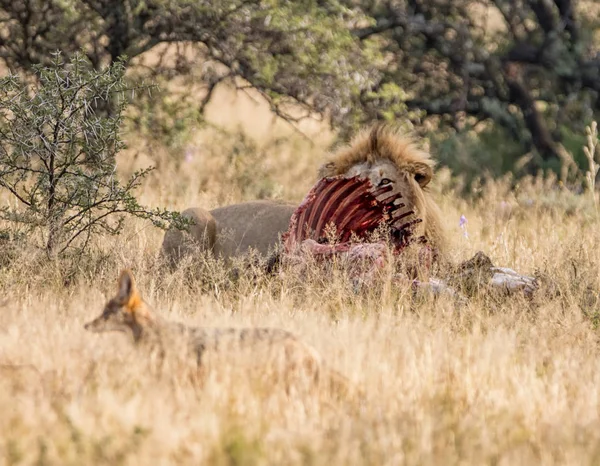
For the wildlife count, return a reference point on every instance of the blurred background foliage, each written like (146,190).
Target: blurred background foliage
(497,86)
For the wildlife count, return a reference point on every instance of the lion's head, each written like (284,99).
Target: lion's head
(388,158)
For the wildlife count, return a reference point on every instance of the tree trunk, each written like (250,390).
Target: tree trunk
(540,134)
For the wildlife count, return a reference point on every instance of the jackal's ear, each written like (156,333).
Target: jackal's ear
(127,287)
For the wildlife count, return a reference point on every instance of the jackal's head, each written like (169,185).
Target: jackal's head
(126,312)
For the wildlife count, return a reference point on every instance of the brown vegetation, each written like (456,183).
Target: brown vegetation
(490,382)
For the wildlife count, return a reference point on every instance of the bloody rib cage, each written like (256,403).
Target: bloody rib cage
(353,209)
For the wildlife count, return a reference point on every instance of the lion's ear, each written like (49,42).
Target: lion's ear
(422,173)
(327,170)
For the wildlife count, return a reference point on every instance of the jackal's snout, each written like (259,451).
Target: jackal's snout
(89,326)
(92,325)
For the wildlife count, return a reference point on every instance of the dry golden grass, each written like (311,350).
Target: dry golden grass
(493,382)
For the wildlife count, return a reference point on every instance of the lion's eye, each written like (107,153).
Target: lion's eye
(385,181)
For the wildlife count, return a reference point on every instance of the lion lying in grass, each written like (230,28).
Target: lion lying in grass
(380,155)
(380,179)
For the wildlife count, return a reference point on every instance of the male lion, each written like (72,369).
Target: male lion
(381,177)
(381,155)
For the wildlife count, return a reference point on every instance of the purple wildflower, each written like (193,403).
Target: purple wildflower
(189,154)
(462,223)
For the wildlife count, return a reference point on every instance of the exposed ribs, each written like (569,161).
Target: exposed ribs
(350,209)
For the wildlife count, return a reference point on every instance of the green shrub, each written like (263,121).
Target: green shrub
(58,142)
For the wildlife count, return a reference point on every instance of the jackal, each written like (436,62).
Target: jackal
(274,350)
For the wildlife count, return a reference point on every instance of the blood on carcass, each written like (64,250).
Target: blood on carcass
(351,208)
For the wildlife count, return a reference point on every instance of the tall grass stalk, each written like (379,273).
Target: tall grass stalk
(590,153)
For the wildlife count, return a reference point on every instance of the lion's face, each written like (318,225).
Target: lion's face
(380,173)
(383,172)
(387,158)
(400,180)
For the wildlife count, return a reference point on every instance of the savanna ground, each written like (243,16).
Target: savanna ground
(495,381)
